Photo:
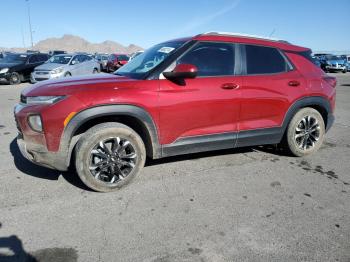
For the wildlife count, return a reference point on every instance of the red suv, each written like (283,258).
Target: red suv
(115,61)
(209,92)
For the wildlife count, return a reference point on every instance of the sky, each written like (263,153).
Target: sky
(317,24)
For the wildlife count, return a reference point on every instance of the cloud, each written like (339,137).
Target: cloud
(205,19)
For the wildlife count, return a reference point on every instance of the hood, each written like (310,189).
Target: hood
(69,85)
(8,65)
(49,66)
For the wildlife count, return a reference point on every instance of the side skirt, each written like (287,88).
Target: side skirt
(204,143)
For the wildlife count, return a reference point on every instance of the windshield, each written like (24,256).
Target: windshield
(145,62)
(60,59)
(333,57)
(15,58)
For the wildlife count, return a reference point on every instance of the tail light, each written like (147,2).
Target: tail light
(330,80)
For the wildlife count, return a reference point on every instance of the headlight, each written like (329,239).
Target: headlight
(4,70)
(40,100)
(57,71)
(35,123)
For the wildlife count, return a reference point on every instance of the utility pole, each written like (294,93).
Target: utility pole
(30,24)
(24,45)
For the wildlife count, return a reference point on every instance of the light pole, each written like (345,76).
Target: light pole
(30,24)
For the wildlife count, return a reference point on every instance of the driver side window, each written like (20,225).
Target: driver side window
(211,59)
(75,60)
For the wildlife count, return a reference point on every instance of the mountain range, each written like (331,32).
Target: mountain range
(72,43)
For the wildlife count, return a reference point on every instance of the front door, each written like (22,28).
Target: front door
(205,109)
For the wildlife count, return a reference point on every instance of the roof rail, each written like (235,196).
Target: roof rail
(245,35)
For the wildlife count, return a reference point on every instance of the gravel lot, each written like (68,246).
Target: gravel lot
(251,204)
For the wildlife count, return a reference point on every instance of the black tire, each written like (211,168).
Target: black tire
(67,74)
(95,71)
(305,132)
(15,78)
(344,71)
(113,173)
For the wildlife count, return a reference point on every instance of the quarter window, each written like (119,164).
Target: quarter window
(211,59)
(264,60)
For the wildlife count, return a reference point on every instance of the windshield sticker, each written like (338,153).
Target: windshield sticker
(23,55)
(166,50)
(67,57)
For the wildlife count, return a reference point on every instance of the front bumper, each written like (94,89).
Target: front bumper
(39,155)
(38,76)
(336,68)
(32,145)
(5,77)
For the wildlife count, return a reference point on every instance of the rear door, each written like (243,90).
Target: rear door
(270,85)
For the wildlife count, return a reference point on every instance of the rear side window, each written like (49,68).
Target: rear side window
(211,59)
(307,55)
(265,60)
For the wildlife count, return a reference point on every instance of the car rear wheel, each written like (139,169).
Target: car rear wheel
(305,133)
(67,74)
(95,71)
(15,78)
(109,156)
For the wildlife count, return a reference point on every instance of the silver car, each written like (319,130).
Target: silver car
(65,65)
(102,59)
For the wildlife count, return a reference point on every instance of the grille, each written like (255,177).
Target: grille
(23,99)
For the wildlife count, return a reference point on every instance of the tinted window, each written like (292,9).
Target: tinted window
(43,58)
(264,60)
(123,58)
(76,59)
(211,59)
(33,59)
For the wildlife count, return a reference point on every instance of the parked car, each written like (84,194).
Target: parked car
(57,52)
(137,53)
(3,54)
(347,61)
(208,92)
(64,66)
(316,61)
(102,59)
(115,61)
(16,68)
(333,63)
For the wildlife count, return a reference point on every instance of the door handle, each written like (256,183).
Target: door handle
(229,86)
(294,83)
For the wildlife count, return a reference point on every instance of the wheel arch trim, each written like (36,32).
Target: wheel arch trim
(67,144)
(311,101)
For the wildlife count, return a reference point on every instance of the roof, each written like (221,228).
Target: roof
(249,39)
(244,35)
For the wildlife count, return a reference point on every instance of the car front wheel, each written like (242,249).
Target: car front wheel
(15,78)
(305,133)
(109,156)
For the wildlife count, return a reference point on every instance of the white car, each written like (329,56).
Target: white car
(65,65)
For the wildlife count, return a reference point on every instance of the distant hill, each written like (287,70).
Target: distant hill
(72,43)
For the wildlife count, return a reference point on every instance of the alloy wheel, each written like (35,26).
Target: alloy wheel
(307,133)
(112,160)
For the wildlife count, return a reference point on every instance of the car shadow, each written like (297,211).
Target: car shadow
(28,168)
(195,156)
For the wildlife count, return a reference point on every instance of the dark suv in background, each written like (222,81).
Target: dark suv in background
(208,92)
(16,68)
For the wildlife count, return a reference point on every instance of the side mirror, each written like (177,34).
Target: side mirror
(181,72)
